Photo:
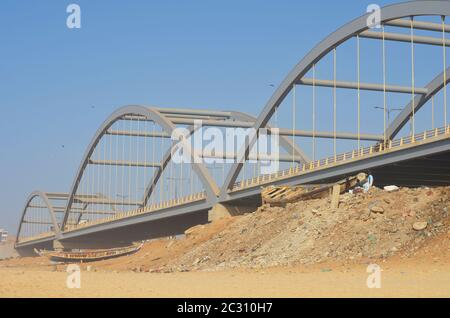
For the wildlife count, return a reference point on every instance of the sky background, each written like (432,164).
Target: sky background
(58,85)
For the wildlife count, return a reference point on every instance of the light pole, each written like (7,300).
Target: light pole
(388,111)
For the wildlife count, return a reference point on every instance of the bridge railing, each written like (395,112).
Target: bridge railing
(149,209)
(343,157)
(35,237)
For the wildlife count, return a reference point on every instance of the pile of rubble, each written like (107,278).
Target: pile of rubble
(373,225)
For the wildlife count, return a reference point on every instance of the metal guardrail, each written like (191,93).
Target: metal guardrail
(35,237)
(122,215)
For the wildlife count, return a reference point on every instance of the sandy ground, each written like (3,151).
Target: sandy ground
(304,250)
(408,278)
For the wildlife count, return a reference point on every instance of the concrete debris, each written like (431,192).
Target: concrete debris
(391,188)
(420,226)
(377,209)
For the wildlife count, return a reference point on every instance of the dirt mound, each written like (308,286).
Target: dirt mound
(366,227)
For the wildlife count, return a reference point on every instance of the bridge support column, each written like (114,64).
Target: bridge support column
(220,211)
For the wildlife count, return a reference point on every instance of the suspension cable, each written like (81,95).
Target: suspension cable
(432,112)
(334,103)
(384,87)
(444,49)
(412,78)
(359,89)
(293,123)
(123,167)
(137,160)
(117,167)
(145,160)
(130,140)
(314,113)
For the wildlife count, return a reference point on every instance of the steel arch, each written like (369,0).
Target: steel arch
(149,114)
(285,142)
(402,119)
(396,11)
(50,208)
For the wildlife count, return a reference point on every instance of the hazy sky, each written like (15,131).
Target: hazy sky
(58,85)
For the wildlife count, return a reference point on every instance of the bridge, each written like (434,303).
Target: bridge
(332,117)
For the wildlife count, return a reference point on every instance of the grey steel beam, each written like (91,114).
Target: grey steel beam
(330,135)
(346,32)
(419,25)
(362,86)
(138,134)
(37,222)
(214,123)
(255,157)
(125,163)
(182,111)
(419,101)
(418,39)
(284,131)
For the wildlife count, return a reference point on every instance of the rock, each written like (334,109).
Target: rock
(377,209)
(420,226)
(170,244)
(391,188)
(194,230)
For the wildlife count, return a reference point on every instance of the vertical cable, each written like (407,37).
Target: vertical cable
(432,112)
(117,167)
(145,160)
(384,86)
(359,90)
(314,113)
(130,141)
(334,103)
(161,187)
(444,49)
(137,169)
(123,166)
(105,168)
(412,78)
(293,123)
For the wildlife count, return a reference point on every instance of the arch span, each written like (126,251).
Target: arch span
(49,207)
(348,31)
(150,114)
